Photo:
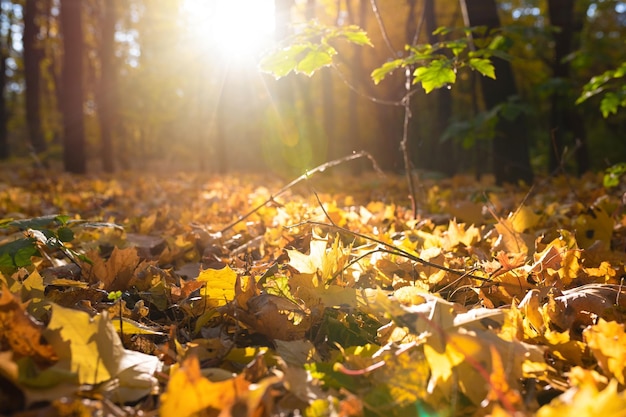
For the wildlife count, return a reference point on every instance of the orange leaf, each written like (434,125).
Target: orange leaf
(20,331)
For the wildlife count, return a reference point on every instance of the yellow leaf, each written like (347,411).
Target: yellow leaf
(510,240)
(188,392)
(457,233)
(220,285)
(87,343)
(499,388)
(33,290)
(90,347)
(607,340)
(441,363)
(523,219)
(323,261)
(605,271)
(587,401)
(592,226)
(308,264)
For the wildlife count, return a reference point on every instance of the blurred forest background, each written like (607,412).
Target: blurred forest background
(104,85)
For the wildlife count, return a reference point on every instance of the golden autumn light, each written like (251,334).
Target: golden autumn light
(237,30)
(359,208)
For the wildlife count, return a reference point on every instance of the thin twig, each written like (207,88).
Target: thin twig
(366,95)
(381,25)
(388,248)
(305,176)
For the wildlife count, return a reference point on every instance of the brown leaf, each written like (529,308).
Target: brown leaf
(114,273)
(275,317)
(21,332)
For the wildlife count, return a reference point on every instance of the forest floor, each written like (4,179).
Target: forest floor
(138,294)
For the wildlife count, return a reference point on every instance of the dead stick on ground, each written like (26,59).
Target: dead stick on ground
(393,250)
(305,176)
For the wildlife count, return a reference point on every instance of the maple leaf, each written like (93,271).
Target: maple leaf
(607,340)
(114,273)
(90,348)
(276,317)
(587,400)
(189,392)
(20,331)
(219,286)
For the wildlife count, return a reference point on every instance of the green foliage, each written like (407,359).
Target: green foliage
(613,174)
(433,65)
(482,127)
(36,235)
(437,74)
(311,50)
(114,295)
(611,86)
(437,64)
(50,231)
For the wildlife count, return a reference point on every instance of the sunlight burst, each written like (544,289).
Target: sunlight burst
(235,29)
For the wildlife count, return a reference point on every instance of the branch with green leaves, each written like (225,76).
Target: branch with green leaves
(611,86)
(433,65)
(311,49)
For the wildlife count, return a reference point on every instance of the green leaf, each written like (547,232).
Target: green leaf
(18,253)
(65,234)
(316,59)
(484,66)
(456,46)
(114,295)
(442,30)
(6,261)
(62,219)
(612,175)
(356,35)
(381,72)
(611,101)
(436,75)
(282,62)
(36,222)
(5,222)
(500,43)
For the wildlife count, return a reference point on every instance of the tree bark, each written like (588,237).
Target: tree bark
(106,87)
(32,77)
(510,145)
(566,124)
(4,110)
(444,160)
(72,87)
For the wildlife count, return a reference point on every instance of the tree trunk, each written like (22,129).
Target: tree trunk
(510,144)
(4,111)
(72,87)
(32,77)
(106,87)
(354,142)
(566,124)
(443,160)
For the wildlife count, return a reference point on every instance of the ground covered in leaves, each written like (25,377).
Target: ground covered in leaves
(145,294)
